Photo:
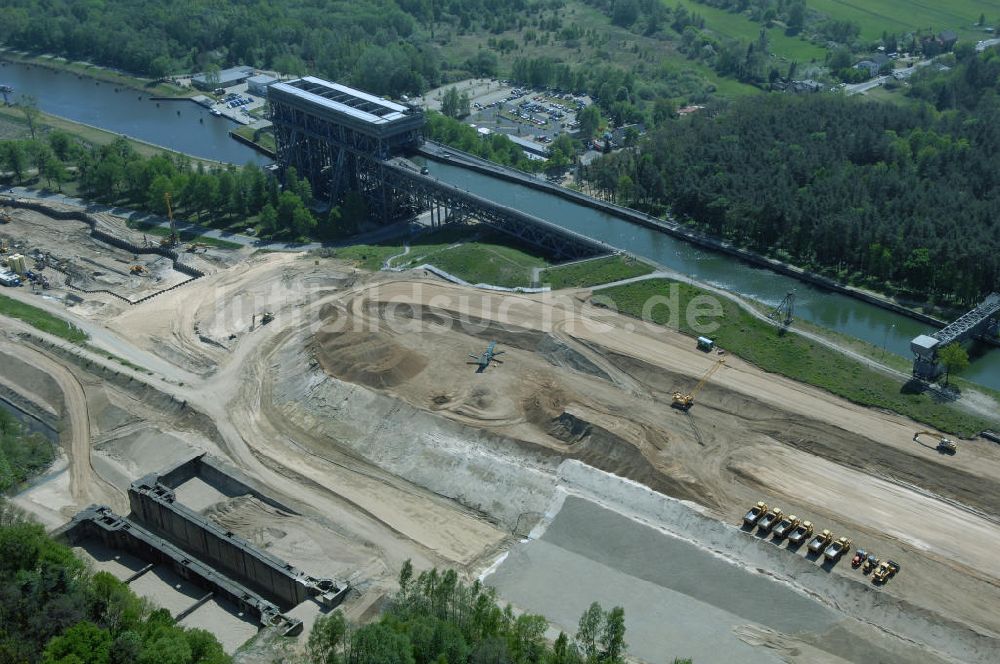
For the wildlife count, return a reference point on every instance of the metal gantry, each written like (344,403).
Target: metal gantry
(983,320)
(450,204)
(782,314)
(972,322)
(344,140)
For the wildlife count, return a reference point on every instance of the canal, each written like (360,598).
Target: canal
(838,312)
(186,127)
(178,125)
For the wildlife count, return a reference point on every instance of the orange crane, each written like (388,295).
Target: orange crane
(171,240)
(685,401)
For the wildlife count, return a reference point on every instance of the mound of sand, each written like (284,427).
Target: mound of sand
(365,358)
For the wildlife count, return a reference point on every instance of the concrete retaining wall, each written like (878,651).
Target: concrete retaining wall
(155,506)
(107,238)
(875,606)
(100,523)
(229,481)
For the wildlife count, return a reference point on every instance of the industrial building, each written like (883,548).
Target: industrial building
(336,137)
(532,149)
(258,85)
(226,78)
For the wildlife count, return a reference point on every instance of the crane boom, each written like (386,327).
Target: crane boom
(170,216)
(685,401)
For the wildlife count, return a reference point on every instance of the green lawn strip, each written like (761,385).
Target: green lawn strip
(186,236)
(486,263)
(111,356)
(797,357)
(41,320)
(594,272)
(92,135)
(477,256)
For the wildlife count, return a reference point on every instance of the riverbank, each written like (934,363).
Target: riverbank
(97,72)
(245,135)
(449,155)
(95,135)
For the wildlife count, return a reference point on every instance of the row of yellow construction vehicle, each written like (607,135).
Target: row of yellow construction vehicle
(824,543)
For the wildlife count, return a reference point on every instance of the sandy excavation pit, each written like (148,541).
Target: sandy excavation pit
(357,408)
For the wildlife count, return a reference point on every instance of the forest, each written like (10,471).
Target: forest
(384,46)
(56,611)
(904,198)
(436,617)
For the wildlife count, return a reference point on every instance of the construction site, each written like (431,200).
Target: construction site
(253,438)
(361,433)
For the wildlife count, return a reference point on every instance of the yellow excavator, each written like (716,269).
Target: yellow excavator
(945,445)
(685,401)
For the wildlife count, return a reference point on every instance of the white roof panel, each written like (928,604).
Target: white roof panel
(329,103)
(358,94)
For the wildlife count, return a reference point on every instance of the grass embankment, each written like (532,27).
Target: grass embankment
(145,85)
(799,358)
(476,256)
(41,320)
(262,137)
(594,272)
(185,236)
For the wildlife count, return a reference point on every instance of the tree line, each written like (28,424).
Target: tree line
(903,198)
(436,617)
(383,46)
(55,611)
(221,195)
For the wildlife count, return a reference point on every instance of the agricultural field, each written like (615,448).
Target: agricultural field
(901,16)
(738,26)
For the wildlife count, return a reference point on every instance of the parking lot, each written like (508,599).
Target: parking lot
(536,114)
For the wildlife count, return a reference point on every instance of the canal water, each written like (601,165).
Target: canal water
(178,125)
(835,311)
(187,127)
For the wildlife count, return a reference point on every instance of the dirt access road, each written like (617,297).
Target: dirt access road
(357,406)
